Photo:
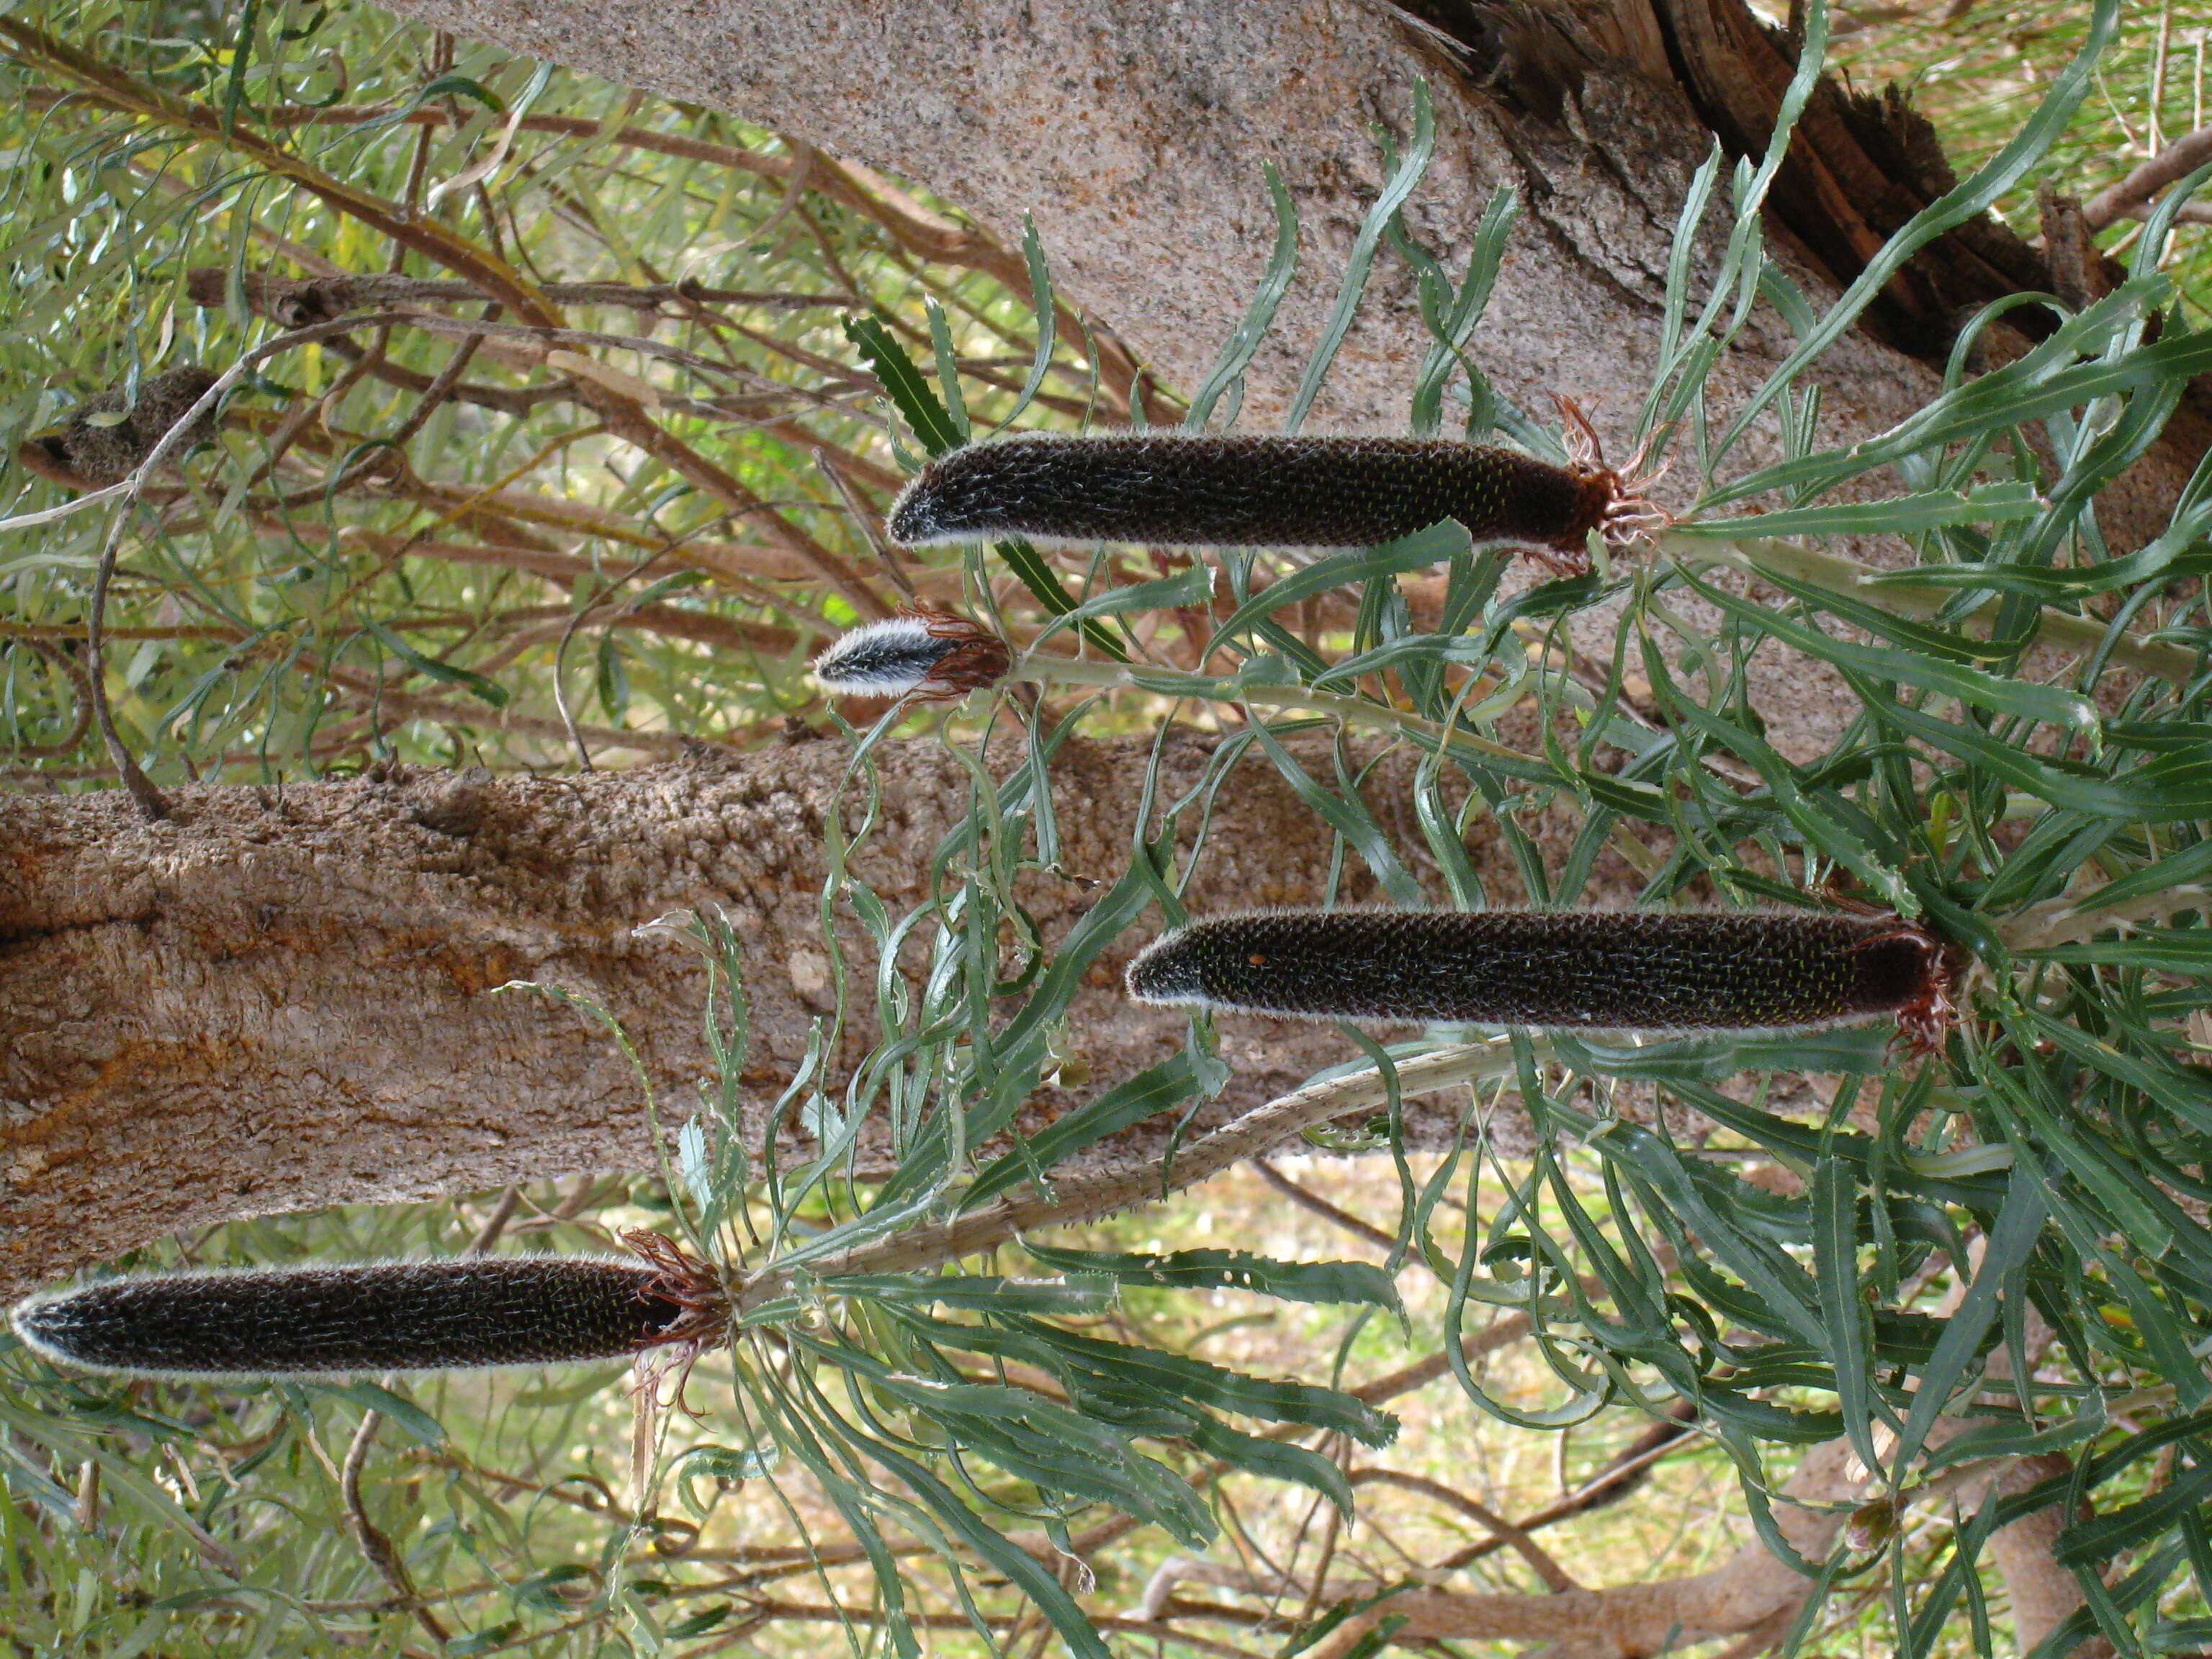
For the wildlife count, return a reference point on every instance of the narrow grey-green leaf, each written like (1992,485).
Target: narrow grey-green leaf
(1238,1270)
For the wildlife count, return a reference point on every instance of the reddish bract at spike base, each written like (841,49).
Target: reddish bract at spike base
(1619,510)
(1923,1023)
(693,1285)
(919,653)
(978,657)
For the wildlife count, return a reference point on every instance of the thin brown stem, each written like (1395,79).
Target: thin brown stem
(374,1544)
(2132,196)
(496,1223)
(1554,1575)
(330,297)
(1320,1207)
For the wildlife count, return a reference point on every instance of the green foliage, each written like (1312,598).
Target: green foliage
(2024,766)
(1976,71)
(400,529)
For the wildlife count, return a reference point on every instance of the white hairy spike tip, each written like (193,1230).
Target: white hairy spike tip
(920,652)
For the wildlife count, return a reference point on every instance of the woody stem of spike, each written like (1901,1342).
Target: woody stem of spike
(1086,1199)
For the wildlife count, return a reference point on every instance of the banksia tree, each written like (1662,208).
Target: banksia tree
(1792,1251)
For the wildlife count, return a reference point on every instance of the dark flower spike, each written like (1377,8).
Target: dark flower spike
(364,1318)
(1561,970)
(1182,490)
(921,652)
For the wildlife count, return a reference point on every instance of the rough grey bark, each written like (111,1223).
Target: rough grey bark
(276,999)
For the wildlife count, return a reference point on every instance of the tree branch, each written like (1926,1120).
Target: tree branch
(1320,1207)
(1556,1578)
(2132,196)
(281,998)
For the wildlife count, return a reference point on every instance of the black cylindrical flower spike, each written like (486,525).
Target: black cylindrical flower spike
(367,1317)
(1564,970)
(1256,492)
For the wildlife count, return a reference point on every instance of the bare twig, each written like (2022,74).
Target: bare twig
(1555,1576)
(2132,196)
(1320,1207)
(1622,1475)
(411,706)
(865,523)
(385,1559)
(495,1224)
(296,300)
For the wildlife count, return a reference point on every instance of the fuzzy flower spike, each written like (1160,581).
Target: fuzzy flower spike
(1561,970)
(921,652)
(1177,489)
(364,1318)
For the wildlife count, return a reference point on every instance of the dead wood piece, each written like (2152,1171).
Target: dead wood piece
(108,436)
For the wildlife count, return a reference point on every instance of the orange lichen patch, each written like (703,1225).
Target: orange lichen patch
(474,969)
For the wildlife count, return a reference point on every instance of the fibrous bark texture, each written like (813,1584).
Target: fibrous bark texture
(1135,134)
(279,998)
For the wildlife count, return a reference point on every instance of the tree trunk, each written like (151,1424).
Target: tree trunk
(280,999)
(1135,134)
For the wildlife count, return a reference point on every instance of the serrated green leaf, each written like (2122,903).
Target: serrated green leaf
(2108,1534)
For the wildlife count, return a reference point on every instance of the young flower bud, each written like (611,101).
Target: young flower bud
(1564,970)
(370,1317)
(927,654)
(1871,1525)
